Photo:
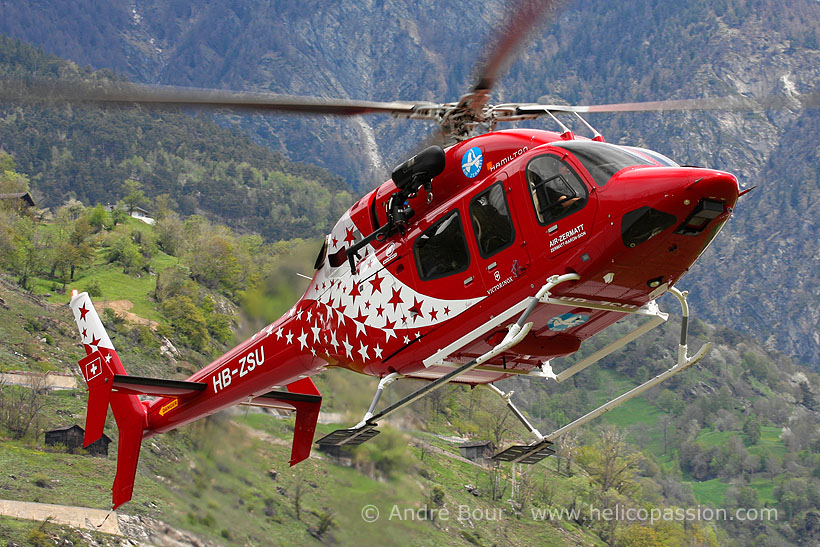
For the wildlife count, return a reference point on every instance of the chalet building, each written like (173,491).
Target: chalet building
(477,451)
(139,213)
(72,438)
(20,199)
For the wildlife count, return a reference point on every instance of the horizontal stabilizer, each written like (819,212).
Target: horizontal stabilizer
(282,399)
(157,387)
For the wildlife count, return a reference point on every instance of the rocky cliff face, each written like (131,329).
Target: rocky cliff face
(760,275)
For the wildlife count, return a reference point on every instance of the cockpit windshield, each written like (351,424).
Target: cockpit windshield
(651,154)
(602,160)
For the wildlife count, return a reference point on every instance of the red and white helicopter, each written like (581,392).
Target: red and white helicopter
(475,262)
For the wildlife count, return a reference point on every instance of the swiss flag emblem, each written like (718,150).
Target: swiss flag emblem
(93,369)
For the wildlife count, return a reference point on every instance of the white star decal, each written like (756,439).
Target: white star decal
(315,331)
(406,340)
(289,336)
(309,315)
(279,334)
(418,335)
(348,347)
(299,314)
(269,330)
(360,328)
(363,352)
(108,358)
(388,333)
(333,341)
(378,351)
(303,339)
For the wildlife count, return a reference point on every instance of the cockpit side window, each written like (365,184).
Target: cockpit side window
(442,249)
(491,221)
(557,190)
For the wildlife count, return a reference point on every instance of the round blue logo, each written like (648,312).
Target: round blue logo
(567,321)
(472,162)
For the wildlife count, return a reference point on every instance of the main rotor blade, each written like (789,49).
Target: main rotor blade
(124,93)
(773,102)
(520,21)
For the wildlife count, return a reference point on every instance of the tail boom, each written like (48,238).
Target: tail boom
(243,375)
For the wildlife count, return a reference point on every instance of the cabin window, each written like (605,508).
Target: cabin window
(442,249)
(491,221)
(557,190)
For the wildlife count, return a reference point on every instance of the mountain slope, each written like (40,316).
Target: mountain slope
(89,154)
(594,52)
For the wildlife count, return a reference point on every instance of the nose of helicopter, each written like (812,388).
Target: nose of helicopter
(675,190)
(688,204)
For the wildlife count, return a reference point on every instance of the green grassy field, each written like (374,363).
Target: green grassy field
(709,492)
(114,284)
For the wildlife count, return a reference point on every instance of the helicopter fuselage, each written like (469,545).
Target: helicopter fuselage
(511,209)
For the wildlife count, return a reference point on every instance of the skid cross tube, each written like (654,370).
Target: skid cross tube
(383,383)
(683,363)
(527,305)
(656,317)
(514,409)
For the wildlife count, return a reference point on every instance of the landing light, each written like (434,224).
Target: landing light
(654,283)
(74,292)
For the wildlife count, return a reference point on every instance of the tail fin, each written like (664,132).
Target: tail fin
(303,397)
(98,368)
(307,414)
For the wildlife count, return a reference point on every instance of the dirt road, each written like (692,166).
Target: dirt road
(78,517)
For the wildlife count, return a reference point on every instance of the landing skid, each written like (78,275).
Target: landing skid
(538,450)
(349,437)
(542,446)
(526,453)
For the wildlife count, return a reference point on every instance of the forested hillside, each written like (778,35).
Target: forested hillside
(739,431)
(591,52)
(88,154)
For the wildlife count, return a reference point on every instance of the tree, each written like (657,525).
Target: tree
(29,251)
(11,181)
(98,218)
(170,234)
(568,448)
(20,406)
(216,260)
(751,428)
(134,196)
(126,253)
(187,320)
(495,419)
(7,162)
(297,499)
(668,426)
(638,535)
(611,463)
